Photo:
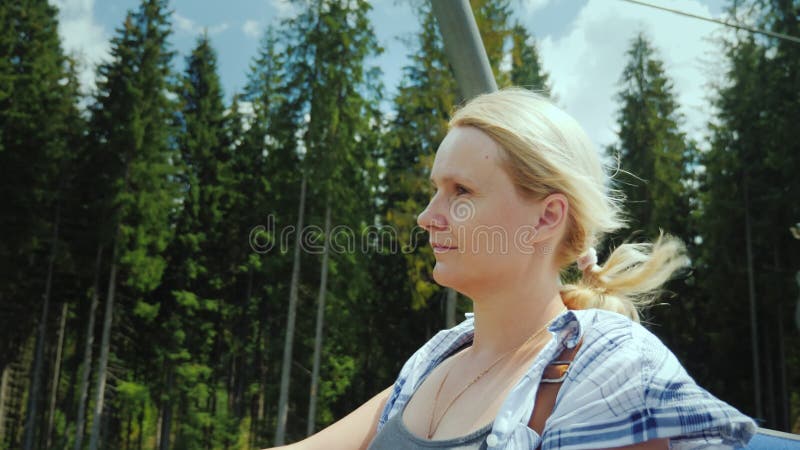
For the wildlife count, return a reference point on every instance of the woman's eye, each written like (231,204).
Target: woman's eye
(457,188)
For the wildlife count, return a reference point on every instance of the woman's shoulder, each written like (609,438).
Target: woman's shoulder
(613,335)
(625,386)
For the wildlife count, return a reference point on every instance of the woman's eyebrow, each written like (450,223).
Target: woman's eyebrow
(455,178)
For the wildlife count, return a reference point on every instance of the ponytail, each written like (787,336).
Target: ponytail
(630,279)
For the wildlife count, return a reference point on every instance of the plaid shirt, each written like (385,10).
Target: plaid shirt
(624,387)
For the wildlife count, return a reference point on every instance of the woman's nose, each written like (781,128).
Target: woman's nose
(429,219)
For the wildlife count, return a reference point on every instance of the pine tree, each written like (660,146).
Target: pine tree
(651,144)
(37,107)
(342,105)
(190,310)
(266,172)
(131,125)
(736,145)
(425,97)
(745,269)
(325,73)
(40,126)
(526,70)
(654,157)
(782,157)
(267,189)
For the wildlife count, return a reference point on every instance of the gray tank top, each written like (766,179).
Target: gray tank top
(395,436)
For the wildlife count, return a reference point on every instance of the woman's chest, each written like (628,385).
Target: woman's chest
(450,402)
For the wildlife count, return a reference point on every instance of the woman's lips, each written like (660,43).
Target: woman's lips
(441,248)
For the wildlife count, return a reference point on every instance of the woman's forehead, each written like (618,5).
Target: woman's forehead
(466,154)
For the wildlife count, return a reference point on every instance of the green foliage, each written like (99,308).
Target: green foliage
(492,17)
(749,176)
(341,371)
(425,98)
(40,131)
(526,70)
(130,392)
(651,145)
(658,164)
(146,311)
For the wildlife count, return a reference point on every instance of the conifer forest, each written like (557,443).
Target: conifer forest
(155,292)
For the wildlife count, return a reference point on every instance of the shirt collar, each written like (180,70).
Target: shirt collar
(566,326)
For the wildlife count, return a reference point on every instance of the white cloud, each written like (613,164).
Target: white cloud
(251,28)
(187,25)
(184,23)
(506,62)
(217,29)
(82,37)
(283,8)
(586,62)
(534,5)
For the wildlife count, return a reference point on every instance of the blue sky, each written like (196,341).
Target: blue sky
(582,44)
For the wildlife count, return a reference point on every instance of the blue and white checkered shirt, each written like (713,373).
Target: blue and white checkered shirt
(624,387)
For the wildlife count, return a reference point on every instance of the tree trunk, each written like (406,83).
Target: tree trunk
(797,304)
(87,353)
(230,383)
(785,394)
(769,376)
(239,397)
(450,312)
(56,376)
(166,421)
(141,429)
(18,385)
(3,395)
(102,364)
(159,423)
(261,345)
(207,430)
(286,365)
(262,375)
(752,295)
(323,284)
(127,438)
(38,362)
(263,372)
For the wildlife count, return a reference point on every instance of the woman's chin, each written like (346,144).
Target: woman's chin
(444,277)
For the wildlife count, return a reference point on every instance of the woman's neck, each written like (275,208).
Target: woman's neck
(509,317)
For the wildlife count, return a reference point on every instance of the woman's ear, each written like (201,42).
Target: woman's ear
(551,214)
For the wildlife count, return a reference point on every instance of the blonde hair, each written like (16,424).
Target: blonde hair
(545,151)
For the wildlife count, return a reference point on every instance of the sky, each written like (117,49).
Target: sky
(582,45)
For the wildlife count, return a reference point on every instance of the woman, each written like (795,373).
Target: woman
(520,195)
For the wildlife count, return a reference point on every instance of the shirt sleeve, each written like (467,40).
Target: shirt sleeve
(405,372)
(627,387)
(685,412)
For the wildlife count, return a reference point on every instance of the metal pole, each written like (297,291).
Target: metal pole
(752,296)
(464,48)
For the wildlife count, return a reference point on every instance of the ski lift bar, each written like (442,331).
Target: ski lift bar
(464,48)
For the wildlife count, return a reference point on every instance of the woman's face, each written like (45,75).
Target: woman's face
(480,229)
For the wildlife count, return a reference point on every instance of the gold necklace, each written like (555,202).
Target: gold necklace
(433,427)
